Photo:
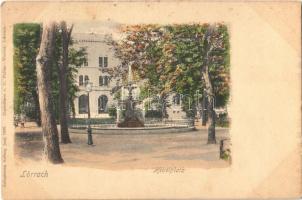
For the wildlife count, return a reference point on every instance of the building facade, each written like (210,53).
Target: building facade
(100,58)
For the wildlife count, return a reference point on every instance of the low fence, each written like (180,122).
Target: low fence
(83,122)
(169,122)
(111,123)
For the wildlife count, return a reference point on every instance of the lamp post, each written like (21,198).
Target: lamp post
(149,100)
(89,130)
(197,102)
(182,96)
(118,109)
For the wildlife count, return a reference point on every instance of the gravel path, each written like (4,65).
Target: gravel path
(126,151)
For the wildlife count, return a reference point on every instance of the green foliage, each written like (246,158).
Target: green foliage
(153,114)
(226,156)
(112,112)
(76,58)
(144,93)
(26,39)
(171,58)
(26,43)
(222,120)
(117,95)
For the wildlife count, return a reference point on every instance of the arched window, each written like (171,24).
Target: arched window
(83,104)
(81,80)
(86,79)
(102,103)
(176,99)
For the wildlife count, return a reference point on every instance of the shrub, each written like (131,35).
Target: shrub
(222,120)
(153,114)
(112,112)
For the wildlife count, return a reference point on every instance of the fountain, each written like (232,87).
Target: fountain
(133,118)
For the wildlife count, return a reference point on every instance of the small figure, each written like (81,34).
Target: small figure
(22,120)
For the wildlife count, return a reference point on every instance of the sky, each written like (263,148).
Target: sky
(98,27)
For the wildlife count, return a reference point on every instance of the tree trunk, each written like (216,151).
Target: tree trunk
(63,68)
(210,106)
(212,122)
(49,128)
(204,108)
(211,115)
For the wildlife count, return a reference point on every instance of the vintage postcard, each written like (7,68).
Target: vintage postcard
(151,100)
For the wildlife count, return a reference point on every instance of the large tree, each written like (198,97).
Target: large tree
(49,128)
(26,42)
(63,71)
(183,58)
(214,49)
(76,58)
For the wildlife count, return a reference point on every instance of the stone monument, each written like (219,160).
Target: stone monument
(133,118)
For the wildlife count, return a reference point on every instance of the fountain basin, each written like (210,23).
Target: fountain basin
(131,123)
(113,130)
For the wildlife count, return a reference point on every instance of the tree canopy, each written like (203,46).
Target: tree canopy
(26,37)
(170,58)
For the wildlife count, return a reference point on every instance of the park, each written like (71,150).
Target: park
(156,96)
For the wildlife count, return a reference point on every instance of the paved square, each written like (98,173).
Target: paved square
(128,151)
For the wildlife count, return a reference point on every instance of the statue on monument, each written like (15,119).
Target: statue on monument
(132,117)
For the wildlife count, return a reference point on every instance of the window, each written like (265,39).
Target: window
(83,104)
(81,80)
(86,79)
(104,80)
(103,61)
(86,63)
(100,81)
(102,104)
(100,61)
